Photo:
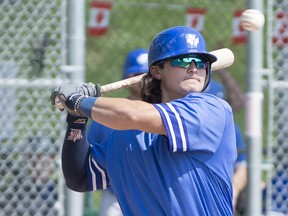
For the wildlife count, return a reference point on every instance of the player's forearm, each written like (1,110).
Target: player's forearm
(125,114)
(239,179)
(74,156)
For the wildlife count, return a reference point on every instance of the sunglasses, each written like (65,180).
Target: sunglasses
(185,62)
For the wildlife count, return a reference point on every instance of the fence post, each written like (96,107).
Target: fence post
(254,115)
(75,57)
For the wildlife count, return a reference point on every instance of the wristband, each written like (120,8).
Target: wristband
(85,106)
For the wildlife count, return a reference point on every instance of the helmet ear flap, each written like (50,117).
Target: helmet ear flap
(208,77)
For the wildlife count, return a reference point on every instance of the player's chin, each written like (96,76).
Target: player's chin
(192,85)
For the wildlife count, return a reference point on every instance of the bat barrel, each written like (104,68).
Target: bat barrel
(127,83)
(225,58)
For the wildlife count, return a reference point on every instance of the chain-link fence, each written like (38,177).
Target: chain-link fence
(277,190)
(33,48)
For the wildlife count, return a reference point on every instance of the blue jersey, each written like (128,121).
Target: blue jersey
(217,89)
(187,172)
(98,133)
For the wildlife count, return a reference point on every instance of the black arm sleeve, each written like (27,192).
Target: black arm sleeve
(75,153)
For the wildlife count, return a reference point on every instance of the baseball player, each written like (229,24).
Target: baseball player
(136,63)
(239,180)
(171,153)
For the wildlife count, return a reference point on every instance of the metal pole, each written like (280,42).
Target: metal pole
(75,59)
(269,31)
(254,115)
(76,39)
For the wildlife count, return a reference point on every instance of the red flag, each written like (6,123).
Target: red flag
(195,18)
(238,33)
(99,18)
(280,35)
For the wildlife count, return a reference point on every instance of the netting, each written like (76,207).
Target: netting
(279,182)
(31,53)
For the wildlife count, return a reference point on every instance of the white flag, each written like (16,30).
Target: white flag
(195,18)
(238,33)
(99,18)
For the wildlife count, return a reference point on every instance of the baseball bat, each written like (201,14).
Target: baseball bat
(225,58)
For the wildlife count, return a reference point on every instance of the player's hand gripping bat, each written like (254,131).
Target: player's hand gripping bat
(225,58)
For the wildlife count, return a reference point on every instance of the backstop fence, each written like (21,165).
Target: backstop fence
(32,50)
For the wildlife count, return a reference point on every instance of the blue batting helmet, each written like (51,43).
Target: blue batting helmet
(136,63)
(176,41)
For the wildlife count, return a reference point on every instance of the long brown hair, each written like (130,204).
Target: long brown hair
(150,89)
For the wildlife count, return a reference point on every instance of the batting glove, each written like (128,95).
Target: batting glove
(67,90)
(90,89)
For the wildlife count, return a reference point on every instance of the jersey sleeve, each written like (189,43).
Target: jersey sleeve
(194,123)
(97,176)
(98,133)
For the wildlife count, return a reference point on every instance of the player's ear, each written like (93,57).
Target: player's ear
(155,72)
